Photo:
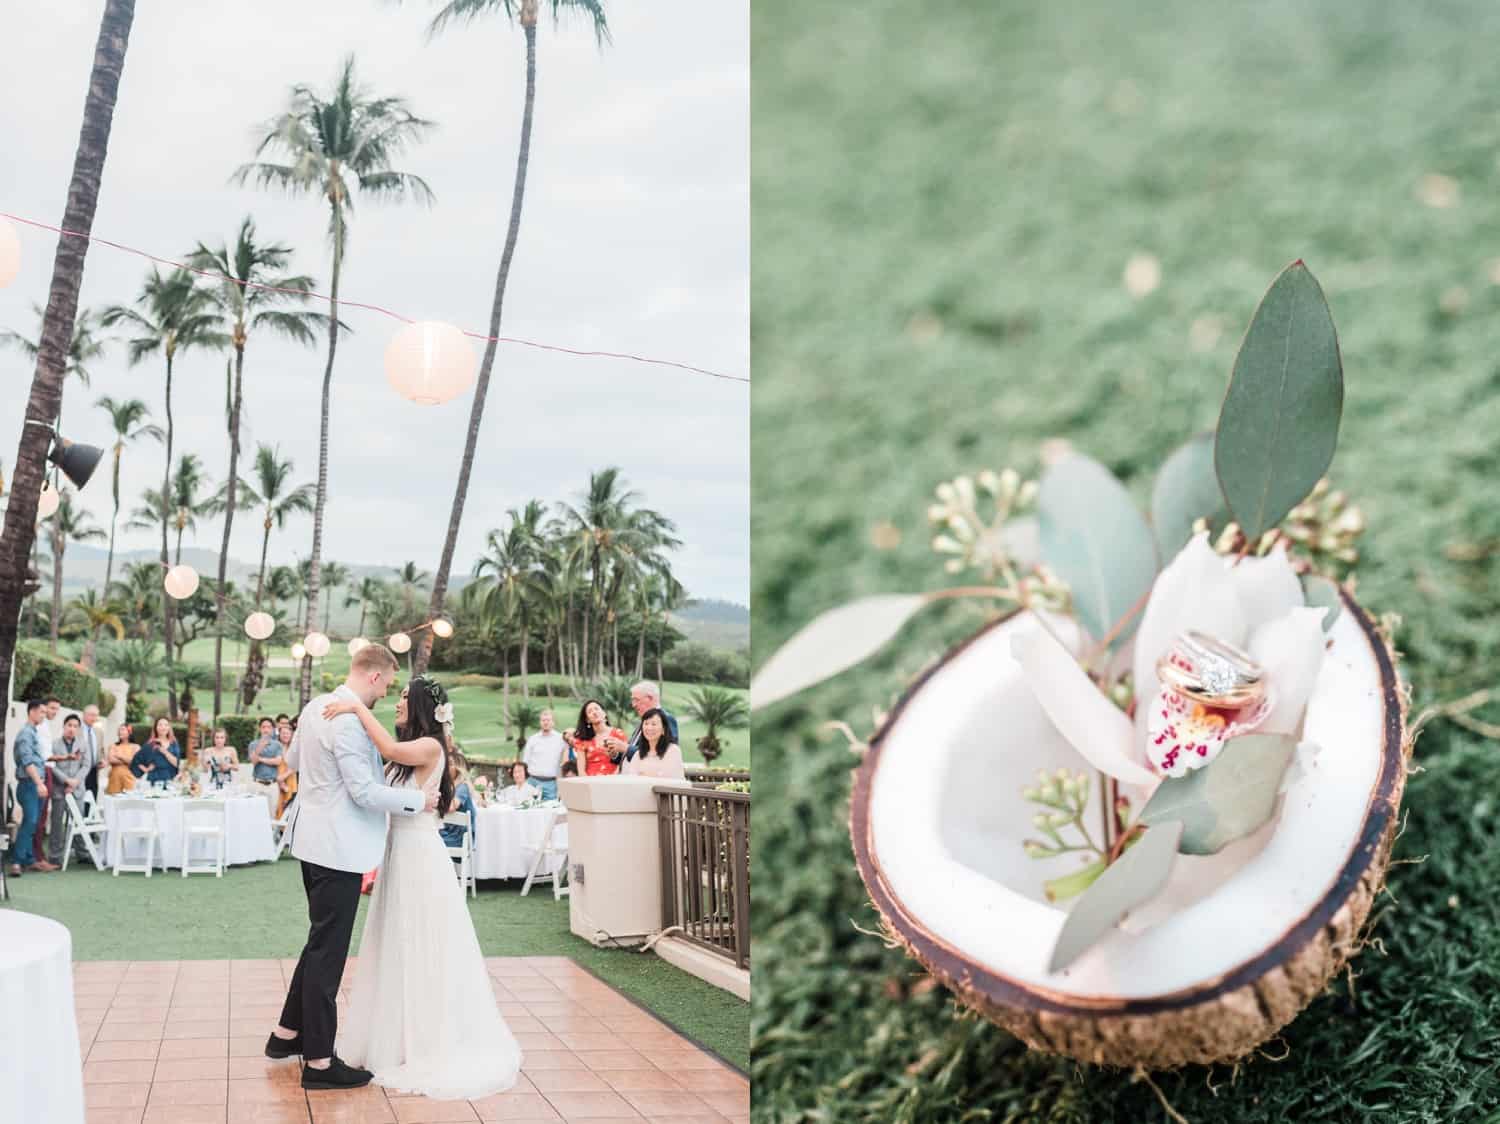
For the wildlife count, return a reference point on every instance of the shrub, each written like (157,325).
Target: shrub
(135,709)
(106,701)
(242,729)
(38,675)
(697,663)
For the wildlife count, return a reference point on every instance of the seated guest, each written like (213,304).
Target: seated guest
(265,761)
(521,788)
(463,800)
(119,756)
(222,760)
(656,754)
(70,763)
(286,779)
(598,745)
(157,760)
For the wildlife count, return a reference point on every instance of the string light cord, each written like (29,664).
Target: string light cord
(346,303)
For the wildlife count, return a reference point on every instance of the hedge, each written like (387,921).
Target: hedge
(241,728)
(38,675)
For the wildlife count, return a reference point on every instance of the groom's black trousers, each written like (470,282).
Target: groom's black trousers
(311,1001)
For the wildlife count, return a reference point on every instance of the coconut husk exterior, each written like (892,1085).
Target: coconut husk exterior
(1219,1021)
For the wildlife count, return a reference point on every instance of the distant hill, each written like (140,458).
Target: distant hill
(719,624)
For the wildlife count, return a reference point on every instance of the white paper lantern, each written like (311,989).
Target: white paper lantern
(357,645)
(299,653)
(47,503)
(430,363)
(316,645)
(442,627)
(259,626)
(181,582)
(10,253)
(399,643)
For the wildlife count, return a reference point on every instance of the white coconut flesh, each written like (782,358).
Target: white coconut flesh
(945,820)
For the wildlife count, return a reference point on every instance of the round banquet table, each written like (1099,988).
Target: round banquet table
(41,1070)
(506,839)
(247,825)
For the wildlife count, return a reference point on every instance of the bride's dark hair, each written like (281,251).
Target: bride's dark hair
(423,695)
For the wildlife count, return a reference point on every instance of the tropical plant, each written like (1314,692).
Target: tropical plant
(254,294)
(716,708)
(139,592)
(191,678)
(526,715)
(612,692)
(138,662)
(67,522)
(92,614)
(411,580)
(278,500)
(128,419)
(524,13)
(84,347)
(186,503)
(334,147)
(370,591)
(335,576)
(512,575)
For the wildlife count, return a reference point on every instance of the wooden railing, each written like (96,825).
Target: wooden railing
(705,869)
(716,776)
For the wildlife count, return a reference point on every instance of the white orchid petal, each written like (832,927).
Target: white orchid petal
(1097,729)
(1195,591)
(1290,648)
(1268,588)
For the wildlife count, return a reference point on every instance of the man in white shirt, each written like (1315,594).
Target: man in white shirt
(543,756)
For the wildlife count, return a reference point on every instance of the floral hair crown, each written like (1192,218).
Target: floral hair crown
(442,708)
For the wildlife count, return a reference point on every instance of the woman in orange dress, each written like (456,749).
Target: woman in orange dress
(596,744)
(119,758)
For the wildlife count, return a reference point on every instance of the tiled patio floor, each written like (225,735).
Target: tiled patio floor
(179,1042)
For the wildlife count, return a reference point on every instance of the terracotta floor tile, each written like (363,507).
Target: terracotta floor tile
(184,1114)
(145,1050)
(725,1104)
(422,1110)
(515,1107)
(641,1080)
(580,1042)
(684,1060)
(91,1002)
(173,1049)
(129,1032)
(513,1007)
(539,1040)
(549,1059)
(549,1010)
(257,1090)
(656,1105)
(714,1080)
(270,1112)
(351,1106)
(248,1045)
(132,1095)
(208,1091)
(114,1115)
(238,1027)
(568,1081)
(523,1022)
(575,1024)
(192,1068)
(116,1072)
(284,1071)
(587,1106)
(629,1024)
(207,1013)
(198,1028)
(612,1059)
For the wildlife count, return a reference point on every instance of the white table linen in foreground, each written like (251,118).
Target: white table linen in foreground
(41,1070)
(247,826)
(503,835)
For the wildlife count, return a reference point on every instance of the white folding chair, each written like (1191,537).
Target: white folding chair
(463,854)
(86,825)
(283,829)
(90,806)
(541,869)
(135,820)
(203,819)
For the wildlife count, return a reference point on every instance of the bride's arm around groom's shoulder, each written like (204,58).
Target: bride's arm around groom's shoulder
(356,765)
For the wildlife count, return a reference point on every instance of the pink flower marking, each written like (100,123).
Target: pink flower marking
(1184,735)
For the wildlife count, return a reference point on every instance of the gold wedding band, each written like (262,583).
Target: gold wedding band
(1211,671)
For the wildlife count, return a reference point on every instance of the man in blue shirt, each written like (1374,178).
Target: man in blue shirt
(31,789)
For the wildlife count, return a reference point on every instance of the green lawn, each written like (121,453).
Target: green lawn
(258,912)
(945,199)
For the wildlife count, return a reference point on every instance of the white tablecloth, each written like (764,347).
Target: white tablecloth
(501,836)
(247,826)
(41,1071)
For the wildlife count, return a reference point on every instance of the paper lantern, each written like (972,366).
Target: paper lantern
(442,627)
(10,253)
(357,645)
(259,626)
(299,653)
(316,645)
(399,643)
(46,504)
(181,582)
(430,363)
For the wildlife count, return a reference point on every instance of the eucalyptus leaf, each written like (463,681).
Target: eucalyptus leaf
(1319,592)
(1071,885)
(1280,420)
(1186,490)
(1097,541)
(1133,879)
(832,642)
(1227,799)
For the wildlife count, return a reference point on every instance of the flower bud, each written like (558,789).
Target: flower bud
(988,481)
(1060,819)
(1035,850)
(945,544)
(1010,482)
(953,566)
(1320,487)
(1027,495)
(946,493)
(1030,794)
(1350,522)
(1042,821)
(964,486)
(937,513)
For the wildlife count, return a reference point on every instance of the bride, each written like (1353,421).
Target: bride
(422,1014)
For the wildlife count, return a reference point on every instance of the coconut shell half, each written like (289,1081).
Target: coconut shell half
(1229,953)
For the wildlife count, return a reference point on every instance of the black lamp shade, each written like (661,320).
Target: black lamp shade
(77,461)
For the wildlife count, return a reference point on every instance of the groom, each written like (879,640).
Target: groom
(338,833)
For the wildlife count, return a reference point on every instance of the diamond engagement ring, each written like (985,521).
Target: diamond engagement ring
(1211,671)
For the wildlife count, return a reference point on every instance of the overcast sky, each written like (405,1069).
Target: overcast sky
(635,238)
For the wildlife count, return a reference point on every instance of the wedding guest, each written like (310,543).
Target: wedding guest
(265,760)
(222,760)
(47,733)
(92,737)
(543,756)
(521,789)
(657,754)
(69,763)
(569,769)
(159,758)
(463,800)
(645,696)
(121,779)
(31,789)
(286,778)
(595,743)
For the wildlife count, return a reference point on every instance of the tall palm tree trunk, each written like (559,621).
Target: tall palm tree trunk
(45,397)
(168,604)
(640,647)
(525,645)
(231,488)
(109,563)
(476,411)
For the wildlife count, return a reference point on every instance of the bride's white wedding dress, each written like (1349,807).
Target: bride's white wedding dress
(422,1016)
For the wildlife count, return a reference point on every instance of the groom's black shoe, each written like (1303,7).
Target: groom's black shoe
(338,1075)
(279,1048)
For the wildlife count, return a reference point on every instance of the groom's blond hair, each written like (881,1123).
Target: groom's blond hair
(373,658)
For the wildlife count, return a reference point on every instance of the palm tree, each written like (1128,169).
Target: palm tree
(659,594)
(523,12)
(253,295)
(334,147)
(139,592)
(512,572)
(369,591)
(335,575)
(716,707)
(176,316)
(68,522)
(412,581)
(525,714)
(128,417)
(278,501)
(136,661)
(45,396)
(83,349)
(93,613)
(185,504)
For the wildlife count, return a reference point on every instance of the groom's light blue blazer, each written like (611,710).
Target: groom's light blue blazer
(341,807)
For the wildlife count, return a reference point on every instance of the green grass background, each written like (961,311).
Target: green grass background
(945,198)
(259,912)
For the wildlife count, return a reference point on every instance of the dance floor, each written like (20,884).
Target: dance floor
(179,1042)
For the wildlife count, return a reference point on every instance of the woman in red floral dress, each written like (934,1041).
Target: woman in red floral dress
(597,745)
